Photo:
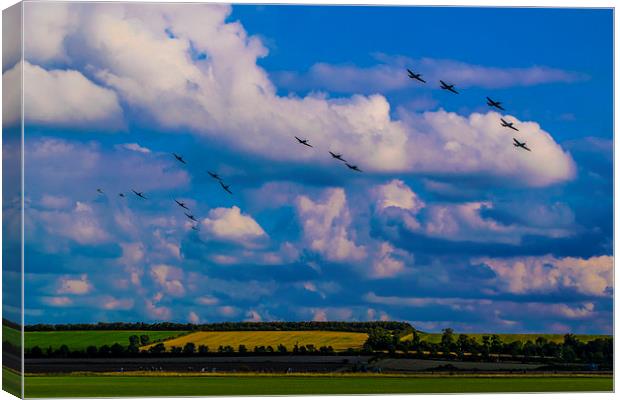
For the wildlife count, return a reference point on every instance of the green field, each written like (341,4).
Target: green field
(338,340)
(128,386)
(79,340)
(11,335)
(506,337)
(11,382)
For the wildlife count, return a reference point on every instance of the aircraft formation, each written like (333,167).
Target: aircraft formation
(449,87)
(179,203)
(490,102)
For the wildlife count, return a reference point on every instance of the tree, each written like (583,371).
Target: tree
(189,348)
(243,349)
(63,351)
(447,341)
(282,348)
(36,351)
(203,349)
(157,349)
(91,351)
(144,340)
(116,349)
(496,344)
(134,340)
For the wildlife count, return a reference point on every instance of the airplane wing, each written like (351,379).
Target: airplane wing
(516,142)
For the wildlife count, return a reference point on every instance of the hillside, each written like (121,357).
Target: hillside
(339,341)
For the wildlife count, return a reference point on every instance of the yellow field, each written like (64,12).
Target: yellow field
(338,340)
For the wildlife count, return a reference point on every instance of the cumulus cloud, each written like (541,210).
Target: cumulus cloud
(80,224)
(589,276)
(326,226)
(469,221)
(69,285)
(169,279)
(156,74)
(65,98)
(193,317)
(230,224)
(57,301)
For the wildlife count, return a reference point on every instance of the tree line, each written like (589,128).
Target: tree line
(341,326)
(462,346)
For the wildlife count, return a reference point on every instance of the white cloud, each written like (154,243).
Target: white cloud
(135,147)
(230,224)
(193,317)
(68,285)
(325,224)
(253,316)
(169,279)
(207,300)
(80,224)
(156,74)
(66,98)
(55,202)
(57,301)
(112,303)
(590,276)
(48,25)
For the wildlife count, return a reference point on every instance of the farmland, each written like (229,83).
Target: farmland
(179,385)
(506,337)
(338,340)
(79,340)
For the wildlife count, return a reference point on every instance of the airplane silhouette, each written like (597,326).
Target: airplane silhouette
(495,104)
(450,88)
(121,195)
(519,144)
(179,158)
(194,227)
(190,216)
(508,124)
(99,191)
(214,175)
(181,204)
(139,194)
(353,167)
(225,187)
(337,156)
(303,141)
(413,75)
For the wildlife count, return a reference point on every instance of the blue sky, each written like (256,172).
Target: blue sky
(448,225)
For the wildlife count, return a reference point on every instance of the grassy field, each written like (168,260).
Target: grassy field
(127,386)
(78,340)
(11,335)
(338,340)
(11,382)
(507,337)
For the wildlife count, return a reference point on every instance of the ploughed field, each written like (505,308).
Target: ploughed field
(340,341)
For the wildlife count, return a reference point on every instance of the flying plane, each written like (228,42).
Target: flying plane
(121,195)
(99,191)
(337,156)
(519,144)
(181,204)
(190,216)
(303,141)
(139,194)
(353,167)
(225,187)
(508,124)
(415,76)
(450,88)
(194,227)
(495,104)
(214,175)
(179,158)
